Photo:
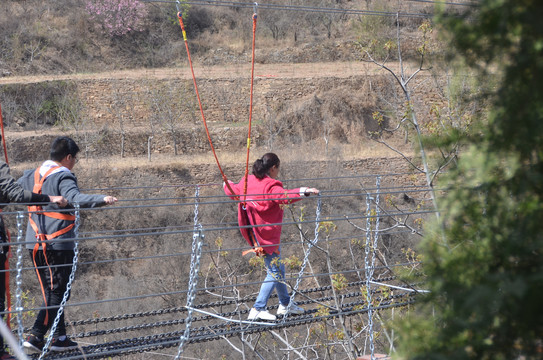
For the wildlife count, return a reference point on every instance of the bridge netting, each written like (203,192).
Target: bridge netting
(162,271)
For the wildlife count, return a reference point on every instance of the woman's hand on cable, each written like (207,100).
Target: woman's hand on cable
(59,200)
(310,191)
(110,200)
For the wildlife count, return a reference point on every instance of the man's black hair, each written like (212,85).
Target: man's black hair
(62,147)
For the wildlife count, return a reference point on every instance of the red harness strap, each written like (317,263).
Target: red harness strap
(41,237)
(256,248)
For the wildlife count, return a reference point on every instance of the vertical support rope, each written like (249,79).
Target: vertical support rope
(376,230)
(369,273)
(306,257)
(374,249)
(180,18)
(197,243)
(250,105)
(19,278)
(372,238)
(197,227)
(69,285)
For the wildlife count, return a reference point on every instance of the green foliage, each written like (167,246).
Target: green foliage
(257,262)
(327,226)
(322,311)
(219,243)
(426,29)
(485,270)
(28,302)
(339,282)
(293,262)
(376,34)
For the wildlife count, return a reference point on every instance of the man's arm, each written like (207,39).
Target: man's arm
(70,190)
(109,200)
(14,192)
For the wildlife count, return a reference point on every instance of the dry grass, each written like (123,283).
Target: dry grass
(343,152)
(293,153)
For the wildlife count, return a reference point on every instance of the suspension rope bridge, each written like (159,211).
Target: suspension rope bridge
(374,285)
(319,9)
(338,278)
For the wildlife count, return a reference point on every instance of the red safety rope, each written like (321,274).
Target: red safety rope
(257,249)
(180,17)
(250,109)
(3,137)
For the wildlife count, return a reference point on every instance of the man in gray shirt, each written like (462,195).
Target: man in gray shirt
(50,237)
(10,191)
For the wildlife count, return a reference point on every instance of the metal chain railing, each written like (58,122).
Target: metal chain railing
(173,310)
(374,249)
(371,246)
(70,281)
(306,257)
(197,242)
(234,314)
(19,278)
(217,331)
(372,228)
(368,273)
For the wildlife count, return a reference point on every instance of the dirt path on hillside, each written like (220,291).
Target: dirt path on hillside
(332,70)
(307,70)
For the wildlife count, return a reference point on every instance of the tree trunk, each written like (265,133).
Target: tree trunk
(149,141)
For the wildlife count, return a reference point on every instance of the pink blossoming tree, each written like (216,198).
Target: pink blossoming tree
(117,17)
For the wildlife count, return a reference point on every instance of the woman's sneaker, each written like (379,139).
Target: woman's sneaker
(63,345)
(294,309)
(255,314)
(32,342)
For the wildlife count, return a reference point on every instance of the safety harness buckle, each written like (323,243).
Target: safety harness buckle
(259,251)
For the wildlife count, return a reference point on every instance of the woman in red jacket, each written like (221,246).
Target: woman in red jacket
(262,208)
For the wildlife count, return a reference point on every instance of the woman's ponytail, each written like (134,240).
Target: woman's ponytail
(262,166)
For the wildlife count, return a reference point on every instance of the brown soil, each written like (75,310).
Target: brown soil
(293,84)
(310,70)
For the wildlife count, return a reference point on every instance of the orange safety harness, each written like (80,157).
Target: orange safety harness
(42,237)
(258,250)
(256,247)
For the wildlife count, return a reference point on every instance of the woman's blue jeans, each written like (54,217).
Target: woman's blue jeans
(274,279)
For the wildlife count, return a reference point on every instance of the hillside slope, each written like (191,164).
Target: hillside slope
(293,105)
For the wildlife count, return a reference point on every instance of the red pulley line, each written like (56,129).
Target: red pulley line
(180,17)
(250,106)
